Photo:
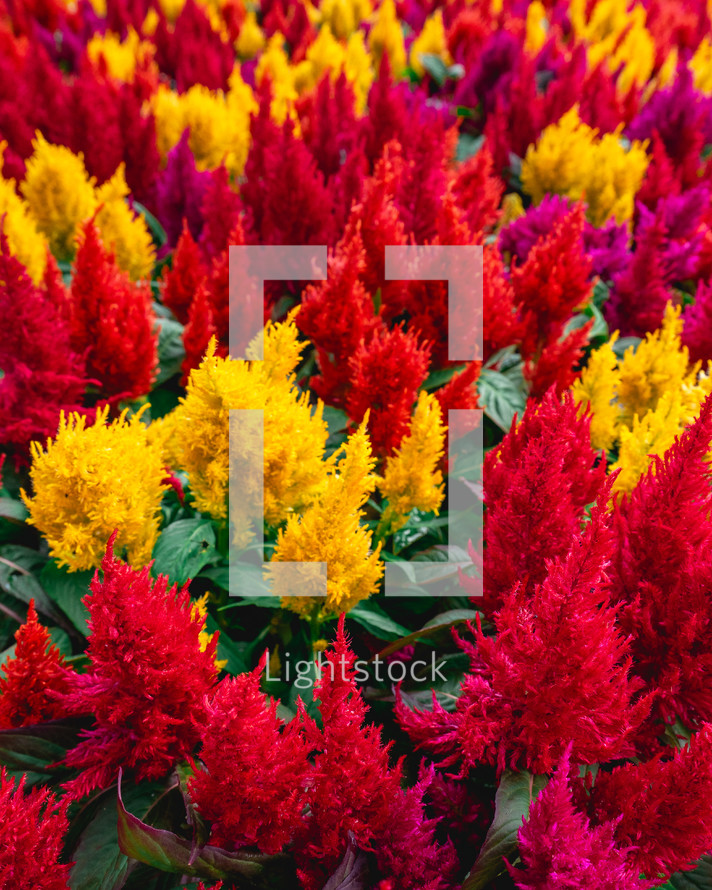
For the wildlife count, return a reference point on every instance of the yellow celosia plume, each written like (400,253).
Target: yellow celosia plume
(570,159)
(90,480)
(411,477)
(331,532)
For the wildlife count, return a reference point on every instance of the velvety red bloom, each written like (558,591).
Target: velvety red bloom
(537,483)
(31,677)
(34,825)
(192,51)
(329,128)
(43,373)
(376,217)
(662,575)
(561,850)
(556,365)
(385,375)
(556,673)
(112,321)
(284,195)
(182,279)
(478,191)
(221,214)
(461,391)
(354,789)
(553,281)
(662,809)
(338,315)
(252,785)
(148,679)
(502,325)
(209,312)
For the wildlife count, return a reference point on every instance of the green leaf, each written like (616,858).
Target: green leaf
(99,863)
(515,794)
(67,590)
(37,747)
(502,395)
(376,621)
(12,510)
(436,625)
(468,146)
(699,879)
(184,548)
(601,292)
(623,344)
(168,852)
(171,351)
(336,419)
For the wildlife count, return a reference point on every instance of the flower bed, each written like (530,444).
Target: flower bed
(539,716)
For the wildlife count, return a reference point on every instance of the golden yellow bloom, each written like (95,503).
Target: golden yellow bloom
(59,193)
(358,69)
(324,54)
(124,231)
(171,8)
(386,36)
(641,403)
(92,480)
(199,610)
(274,64)
(120,56)
(537,27)
(658,365)
(24,240)
(701,66)
(430,41)
(569,159)
(219,123)
(654,434)
(330,532)
(345,16)
(412,478)
(597,388)
(250,41)
(294,434)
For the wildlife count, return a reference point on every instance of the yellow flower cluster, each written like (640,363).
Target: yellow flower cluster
(701,66)
(569,159)
(24,240)
(219,123)
(617,36)
(60,196)
(430,41)
(91,480)
(412,478)
(537,26)
(330,531)
(640,404)
(121,57)
(325,53)
(196,435)
(386,36)
(344,16)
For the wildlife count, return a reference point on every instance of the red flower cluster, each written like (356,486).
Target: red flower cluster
(555,673)
(34,825)
(34,677)
(43,373)
(148,679)
(259,786)
(111,322)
